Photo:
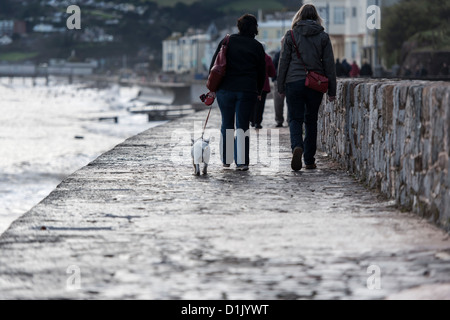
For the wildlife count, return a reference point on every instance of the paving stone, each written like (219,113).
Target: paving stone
(137,224)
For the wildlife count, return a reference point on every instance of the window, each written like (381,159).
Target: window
(170,60)
(354,49)
(322,11)
(354,12)
(339,15)
(265,35)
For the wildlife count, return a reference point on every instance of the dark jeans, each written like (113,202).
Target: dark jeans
(303,108)
(235,106)
(259,109)
(278,104)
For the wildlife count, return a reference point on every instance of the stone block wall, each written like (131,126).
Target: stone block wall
(395,136)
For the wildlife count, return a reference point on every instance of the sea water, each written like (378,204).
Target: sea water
(49,131)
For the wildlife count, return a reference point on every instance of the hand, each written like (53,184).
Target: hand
(259,98)
(282,95)
(331,98)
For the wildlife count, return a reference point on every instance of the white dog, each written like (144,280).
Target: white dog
(200,154)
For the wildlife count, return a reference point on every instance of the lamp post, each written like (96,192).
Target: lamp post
(377,67)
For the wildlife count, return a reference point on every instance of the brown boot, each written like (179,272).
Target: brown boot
(311,166)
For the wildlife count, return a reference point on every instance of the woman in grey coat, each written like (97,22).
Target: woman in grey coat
(303,103)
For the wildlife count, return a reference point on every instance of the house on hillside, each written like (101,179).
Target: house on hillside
(5,40)
(6,27)
(44,28)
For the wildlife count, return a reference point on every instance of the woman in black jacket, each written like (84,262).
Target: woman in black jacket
(303,103)
(237,94)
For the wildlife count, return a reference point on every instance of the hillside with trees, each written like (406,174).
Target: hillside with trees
(134,28)
(417,32)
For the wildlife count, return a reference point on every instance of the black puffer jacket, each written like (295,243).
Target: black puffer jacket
(315,50)
(246,64)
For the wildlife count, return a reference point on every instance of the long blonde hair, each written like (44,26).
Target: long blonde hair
(307,12)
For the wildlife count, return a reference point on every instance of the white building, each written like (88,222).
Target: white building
(5,40)
(64,67)
(44,28)
(345,22)
(271,32)
(6,27)
(188,54)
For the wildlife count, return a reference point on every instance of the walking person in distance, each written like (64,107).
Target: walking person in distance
(261,103)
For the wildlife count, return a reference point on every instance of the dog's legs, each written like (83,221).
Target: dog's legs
(205,168)
(197,169)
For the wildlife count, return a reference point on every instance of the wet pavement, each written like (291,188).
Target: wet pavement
(137,224)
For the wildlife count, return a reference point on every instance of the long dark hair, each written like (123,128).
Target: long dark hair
(248,25)
(307,12)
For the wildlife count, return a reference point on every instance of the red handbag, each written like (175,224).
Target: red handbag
(219,68)
(314,80)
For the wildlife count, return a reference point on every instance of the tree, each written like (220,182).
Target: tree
(6,8)
(408,18)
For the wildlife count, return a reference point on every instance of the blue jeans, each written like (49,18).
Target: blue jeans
(237,106)
(303,108)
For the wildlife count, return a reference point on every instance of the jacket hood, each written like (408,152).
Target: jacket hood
(309,28)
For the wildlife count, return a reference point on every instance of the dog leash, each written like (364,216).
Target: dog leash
(204,127)
(206,122)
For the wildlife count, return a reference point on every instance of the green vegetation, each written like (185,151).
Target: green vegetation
(101,14)
(138,35)
(171,3)
(17,56)
(437,38)
(419,23)
(251,5)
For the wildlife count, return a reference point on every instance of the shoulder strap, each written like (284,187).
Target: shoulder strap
(226,40)
(298,52)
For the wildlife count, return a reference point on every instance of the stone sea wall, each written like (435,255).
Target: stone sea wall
(395,136)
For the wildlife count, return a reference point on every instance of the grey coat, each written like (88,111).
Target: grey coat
(315,50)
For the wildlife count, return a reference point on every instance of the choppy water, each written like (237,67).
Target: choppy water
(48,132)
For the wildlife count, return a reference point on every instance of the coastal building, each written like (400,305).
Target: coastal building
(5,40)
(270,33)
(346,23)
(96,34)
(6,27)
(191,53)
(20,27)
(64,67)
(17,69)
(10,27)
(44,28)
(171,53)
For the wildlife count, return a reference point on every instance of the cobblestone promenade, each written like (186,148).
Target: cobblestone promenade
(137,224)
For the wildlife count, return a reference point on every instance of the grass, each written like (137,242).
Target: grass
(252,5)
(171,3)
(235,5)
(103,15)
(17,56)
